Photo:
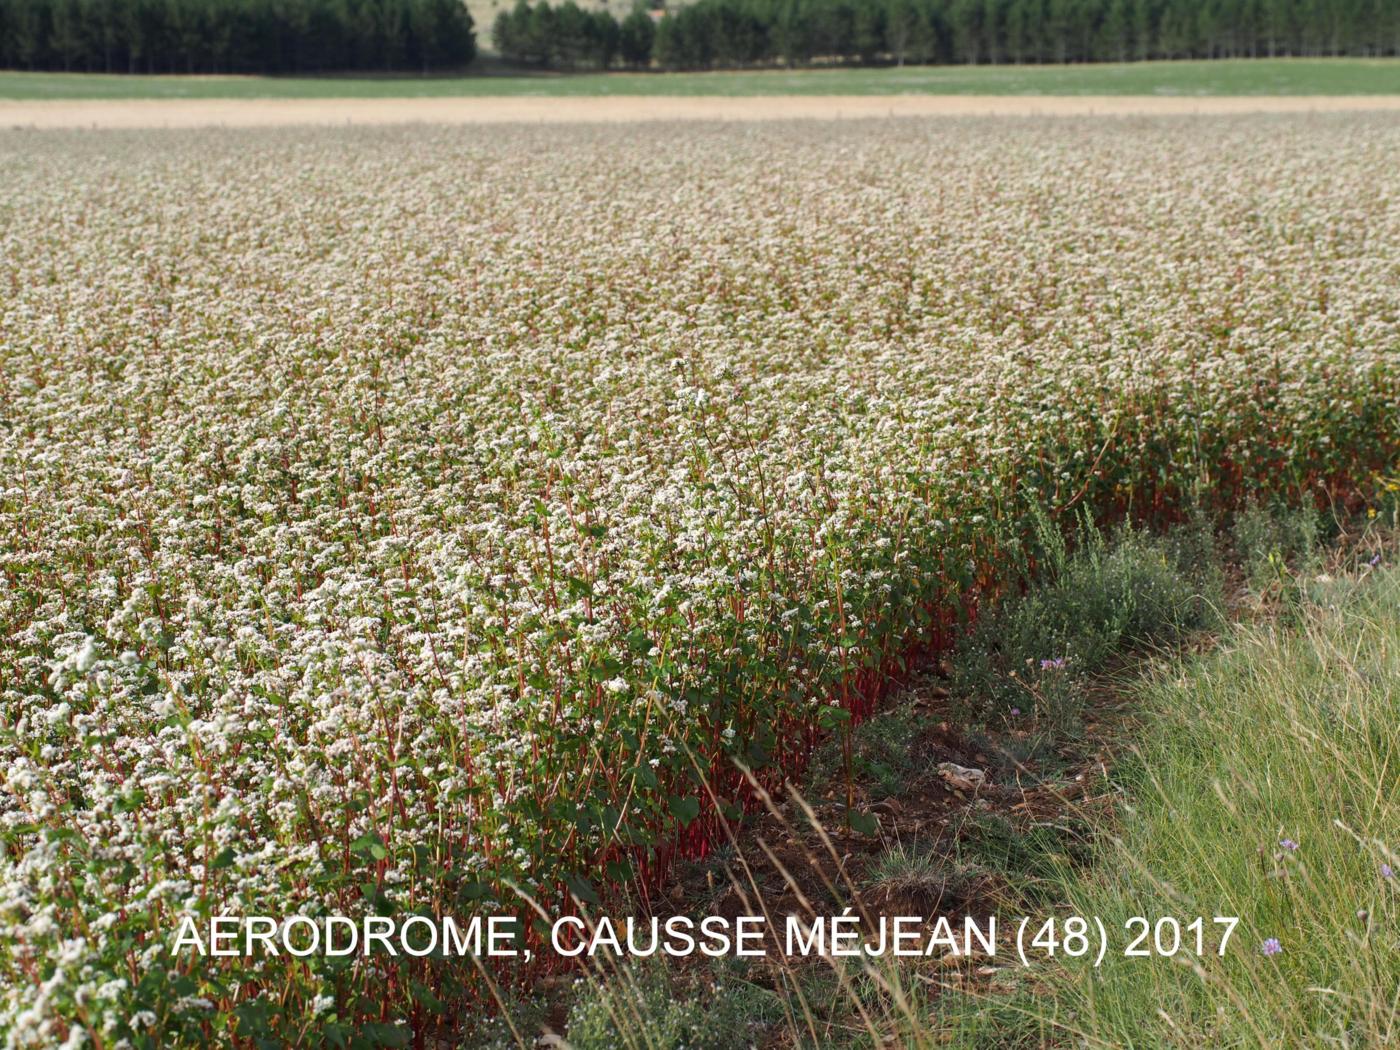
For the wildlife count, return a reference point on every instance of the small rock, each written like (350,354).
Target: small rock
(961,778)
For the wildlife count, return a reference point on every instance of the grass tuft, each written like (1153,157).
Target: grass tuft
(1025,663)
(639,1008)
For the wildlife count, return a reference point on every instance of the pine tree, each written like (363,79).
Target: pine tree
(635,36)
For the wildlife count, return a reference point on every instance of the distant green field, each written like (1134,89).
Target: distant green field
(1223,77)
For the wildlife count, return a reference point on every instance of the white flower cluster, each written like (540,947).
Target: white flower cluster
(386,514)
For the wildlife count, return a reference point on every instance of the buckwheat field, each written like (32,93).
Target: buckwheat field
(411,520)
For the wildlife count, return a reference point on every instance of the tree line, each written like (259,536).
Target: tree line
(309,36)
(235,36)
(710,34)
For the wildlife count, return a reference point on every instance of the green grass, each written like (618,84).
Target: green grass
(1285,735)
(1224,77)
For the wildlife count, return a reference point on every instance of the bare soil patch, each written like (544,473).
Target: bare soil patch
(189,113)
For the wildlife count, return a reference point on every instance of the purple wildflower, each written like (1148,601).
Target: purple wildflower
(1289,845)
(1015,710)
(1057,664)
(1387,872)
(1375,560)
(1271,946)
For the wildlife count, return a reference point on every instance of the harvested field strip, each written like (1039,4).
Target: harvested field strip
(278,112)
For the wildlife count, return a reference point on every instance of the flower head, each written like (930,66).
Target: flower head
(1271,946)
(1057,664)
(1289,845)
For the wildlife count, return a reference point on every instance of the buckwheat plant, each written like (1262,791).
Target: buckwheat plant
(392,517)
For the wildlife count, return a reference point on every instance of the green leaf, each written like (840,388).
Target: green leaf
(620,870)
(685,809)
(378,1034)
(426,998)
(863,822)
(253,1019)
(369,844)
(130,802)
(582,889)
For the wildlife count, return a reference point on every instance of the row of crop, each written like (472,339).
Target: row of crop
(633,759)
(383,552)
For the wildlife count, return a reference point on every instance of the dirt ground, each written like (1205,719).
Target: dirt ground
(187,113)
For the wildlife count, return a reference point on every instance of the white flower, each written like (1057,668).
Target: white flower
(363,468)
